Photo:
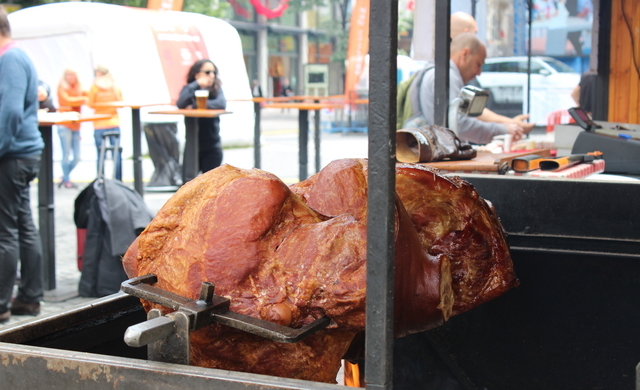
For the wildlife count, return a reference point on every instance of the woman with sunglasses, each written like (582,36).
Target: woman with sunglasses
(204,75)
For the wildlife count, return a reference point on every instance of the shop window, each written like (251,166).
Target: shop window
(320,51)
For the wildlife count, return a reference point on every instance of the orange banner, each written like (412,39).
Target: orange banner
(167,5)
(358,46)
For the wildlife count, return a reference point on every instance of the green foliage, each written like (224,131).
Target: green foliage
(215,8)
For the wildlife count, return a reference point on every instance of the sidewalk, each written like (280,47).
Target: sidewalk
(279,150)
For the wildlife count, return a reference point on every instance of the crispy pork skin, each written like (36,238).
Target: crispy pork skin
(290,255)
(273,256)
(423,297)
(453,220)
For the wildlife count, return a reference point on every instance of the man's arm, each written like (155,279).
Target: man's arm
(13,88)
(575,94)
(490,116)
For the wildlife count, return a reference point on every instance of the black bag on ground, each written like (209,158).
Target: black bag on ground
(117,215)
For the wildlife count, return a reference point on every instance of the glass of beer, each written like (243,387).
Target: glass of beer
(201,99)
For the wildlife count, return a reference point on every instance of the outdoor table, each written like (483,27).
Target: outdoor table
(45,189)
(136,133)
(303,131)
(190,161)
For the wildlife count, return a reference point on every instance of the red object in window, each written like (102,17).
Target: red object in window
(270,13)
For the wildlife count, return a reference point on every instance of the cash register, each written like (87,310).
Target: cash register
(620,143)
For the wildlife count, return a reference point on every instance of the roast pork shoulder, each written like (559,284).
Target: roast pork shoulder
(292,255)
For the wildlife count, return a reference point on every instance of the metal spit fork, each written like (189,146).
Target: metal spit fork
(167,336)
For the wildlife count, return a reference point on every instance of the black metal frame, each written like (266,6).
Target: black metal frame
(442,54)
(381,199)
(46,208)
(601,107)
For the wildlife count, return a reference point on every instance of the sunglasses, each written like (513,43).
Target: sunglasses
(207,72)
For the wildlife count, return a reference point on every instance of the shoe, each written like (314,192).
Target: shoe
(20,308)
(4,317)
(69,184)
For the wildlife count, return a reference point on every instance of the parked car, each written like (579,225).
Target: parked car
(551,85)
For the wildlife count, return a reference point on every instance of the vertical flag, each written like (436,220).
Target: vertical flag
(358,46)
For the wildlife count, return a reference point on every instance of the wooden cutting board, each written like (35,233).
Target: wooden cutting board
(485,161)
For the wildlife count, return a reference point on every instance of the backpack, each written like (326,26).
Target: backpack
(404,108)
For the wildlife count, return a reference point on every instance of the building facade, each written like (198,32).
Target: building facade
(277,48)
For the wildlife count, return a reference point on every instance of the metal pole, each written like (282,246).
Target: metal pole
(256,136)
(46,210)
(530,3)
(190,159)
(316,136)
(381,197)
(603,20)
(442,52)
(303,142)
(137,151)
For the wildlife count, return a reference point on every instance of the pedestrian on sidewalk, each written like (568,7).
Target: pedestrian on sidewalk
(104,90)
(20,149)
(71,97)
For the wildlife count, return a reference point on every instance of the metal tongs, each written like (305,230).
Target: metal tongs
(167,336)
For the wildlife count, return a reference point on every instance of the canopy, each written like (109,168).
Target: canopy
(148,52)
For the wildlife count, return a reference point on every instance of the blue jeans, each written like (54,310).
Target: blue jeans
(70,141)
(97,135)
(19,237)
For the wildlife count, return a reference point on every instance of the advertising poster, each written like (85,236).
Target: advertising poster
(561,27)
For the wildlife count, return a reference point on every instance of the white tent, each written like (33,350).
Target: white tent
(148,53)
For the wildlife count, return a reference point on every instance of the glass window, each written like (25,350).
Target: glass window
(320,50)
(248,40)
(559,66)
(288,18)
(282,43)
(536,67)
(490,68)
(508,66)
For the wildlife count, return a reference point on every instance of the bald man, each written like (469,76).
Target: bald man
(467,57)
(462,22)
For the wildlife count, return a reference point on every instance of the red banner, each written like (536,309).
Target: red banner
(179,46)
(358,46)
(270,13)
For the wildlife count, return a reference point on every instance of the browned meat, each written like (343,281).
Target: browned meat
(274,257)
(454,224)
(423,297)
(453,220)
(293,255)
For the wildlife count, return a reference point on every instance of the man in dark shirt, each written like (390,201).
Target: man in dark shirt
(20,148)
(584,93)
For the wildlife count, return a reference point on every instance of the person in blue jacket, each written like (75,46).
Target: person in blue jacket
(203,74)
(20,148)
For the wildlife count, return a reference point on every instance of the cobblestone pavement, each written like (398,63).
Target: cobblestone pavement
(279,149)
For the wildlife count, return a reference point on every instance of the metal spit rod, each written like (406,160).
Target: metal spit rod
(168,336)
